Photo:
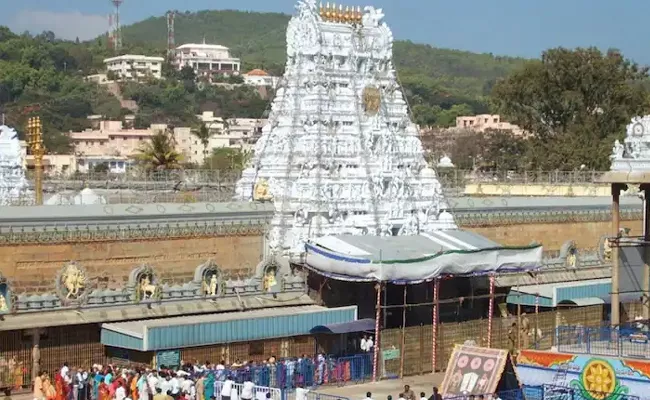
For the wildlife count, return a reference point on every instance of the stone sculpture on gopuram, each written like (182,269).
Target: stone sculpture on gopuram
(339,154)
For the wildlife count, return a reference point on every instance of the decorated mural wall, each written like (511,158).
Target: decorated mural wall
(595,377)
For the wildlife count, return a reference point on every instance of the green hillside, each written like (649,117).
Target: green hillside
(439,77)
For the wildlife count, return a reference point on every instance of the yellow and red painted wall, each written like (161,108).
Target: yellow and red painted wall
(595,377)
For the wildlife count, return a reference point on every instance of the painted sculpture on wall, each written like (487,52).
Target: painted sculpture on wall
(5,305)
(72,287)
(72,282)
(269,282)
(262,191)
(147,287)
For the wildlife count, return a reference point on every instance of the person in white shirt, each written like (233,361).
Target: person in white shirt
(423,396)
(247,390)
(364,343)
(370,343)
(226,389)
(65,373)
(166,385)
(301,393)
(368,396)
(401,396)
(176,385)
(120,393)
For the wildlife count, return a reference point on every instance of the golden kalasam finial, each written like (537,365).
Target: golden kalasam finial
(328,12)
(346,15)
(359,15)
(340,14)
(321,10)
(334,12)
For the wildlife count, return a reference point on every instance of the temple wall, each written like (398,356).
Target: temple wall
(33,268)
(586,234)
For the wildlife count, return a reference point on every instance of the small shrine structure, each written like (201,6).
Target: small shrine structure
(630,168)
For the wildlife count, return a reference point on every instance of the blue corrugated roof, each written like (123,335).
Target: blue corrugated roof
(551,294)
(191,331)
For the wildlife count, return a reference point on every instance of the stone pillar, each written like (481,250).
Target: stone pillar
(646,252)
(36,352)
(616,306)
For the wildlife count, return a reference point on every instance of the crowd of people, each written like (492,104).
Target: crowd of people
(190,381)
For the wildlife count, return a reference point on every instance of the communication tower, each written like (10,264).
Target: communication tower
(171,40)
(116,33)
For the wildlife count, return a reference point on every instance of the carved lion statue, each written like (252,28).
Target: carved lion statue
(372,17)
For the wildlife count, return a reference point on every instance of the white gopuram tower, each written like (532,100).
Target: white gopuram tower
(14,187)
(340,154)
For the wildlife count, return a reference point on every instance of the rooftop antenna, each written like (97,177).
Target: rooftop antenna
(171,39)
(117,29)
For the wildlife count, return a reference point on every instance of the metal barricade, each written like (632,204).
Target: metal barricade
(605,341)
(259,392)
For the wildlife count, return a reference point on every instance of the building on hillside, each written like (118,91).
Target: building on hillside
(109,144)
(239,133)
(134,67)
(207,60)
(258,77)
(483,122)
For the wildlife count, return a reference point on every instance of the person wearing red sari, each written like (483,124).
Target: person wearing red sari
(62,388)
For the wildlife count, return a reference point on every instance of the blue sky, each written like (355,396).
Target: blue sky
(504,27)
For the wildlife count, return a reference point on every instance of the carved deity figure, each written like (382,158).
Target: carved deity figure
(212,287)
(147,289)
(73,280)
(261,192)
(371,100)
(572,258)
(4,306)
(607,250)
(269,279)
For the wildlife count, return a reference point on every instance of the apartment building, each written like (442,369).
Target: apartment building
(207,60)
(131,67)
(240,133)
(109,144)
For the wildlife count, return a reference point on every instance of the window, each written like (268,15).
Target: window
(496,120)
(256,348)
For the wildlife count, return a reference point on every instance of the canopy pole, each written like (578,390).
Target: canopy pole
(434,325)
(375,357)
(537,310)
(401,361)
(490,311)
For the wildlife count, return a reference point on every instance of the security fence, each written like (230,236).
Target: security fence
(624,341)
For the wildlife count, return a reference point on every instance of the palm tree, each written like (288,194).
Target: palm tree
(159,153)
(203,134)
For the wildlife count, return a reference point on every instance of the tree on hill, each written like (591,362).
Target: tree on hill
(575,103)
(159,153)
(228,159)
(203,134)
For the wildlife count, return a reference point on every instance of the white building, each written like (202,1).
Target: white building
(207,59)
(258,77)
(135,67)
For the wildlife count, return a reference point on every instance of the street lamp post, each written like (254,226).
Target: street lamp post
(35,142)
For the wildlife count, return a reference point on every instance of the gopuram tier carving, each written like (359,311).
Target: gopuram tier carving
(634,153)
(339,154)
